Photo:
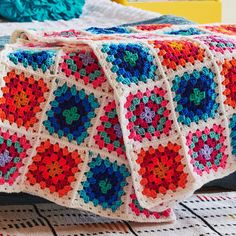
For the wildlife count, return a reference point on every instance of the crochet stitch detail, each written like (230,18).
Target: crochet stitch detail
(195,96)
(131,63)
(71,113)
(22,100)
(36,59)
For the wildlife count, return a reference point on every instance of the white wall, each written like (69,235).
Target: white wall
(229,11)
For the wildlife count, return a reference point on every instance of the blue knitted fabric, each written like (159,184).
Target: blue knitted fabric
(165,19)
(40,10)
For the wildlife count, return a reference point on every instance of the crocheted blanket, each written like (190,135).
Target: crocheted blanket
(123,121)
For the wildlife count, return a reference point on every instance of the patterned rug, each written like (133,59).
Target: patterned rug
(210,214)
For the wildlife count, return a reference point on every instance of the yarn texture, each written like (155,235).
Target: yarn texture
(40,10)
(122,121)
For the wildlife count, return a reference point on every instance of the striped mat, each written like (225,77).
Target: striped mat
(209,214)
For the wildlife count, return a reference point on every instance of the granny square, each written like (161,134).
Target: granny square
(54,167)
(71,33)
(71,112)
(162,169)
(22,99)
(228,73)
(83,66)
(111,30)
(184,31)
(151,27)
(177,54)
(130,63)
(104,183)
(207,149)
(140,211)
(14,149)
(196,95)
(108,134)
(148,114)
(218,44)
(222,29)
(38,60)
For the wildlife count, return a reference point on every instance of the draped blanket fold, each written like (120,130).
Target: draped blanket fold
(122,121)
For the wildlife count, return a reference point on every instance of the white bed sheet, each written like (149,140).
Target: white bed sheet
(99,13)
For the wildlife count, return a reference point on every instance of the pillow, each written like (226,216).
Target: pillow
(40,10)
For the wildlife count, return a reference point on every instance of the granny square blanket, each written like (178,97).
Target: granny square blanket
(123,121)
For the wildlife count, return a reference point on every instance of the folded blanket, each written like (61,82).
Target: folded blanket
(122,121)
